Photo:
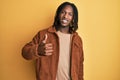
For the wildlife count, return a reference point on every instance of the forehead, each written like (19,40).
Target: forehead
(68,8)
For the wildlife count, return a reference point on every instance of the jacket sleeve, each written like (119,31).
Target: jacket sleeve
(81,72)
(29,51)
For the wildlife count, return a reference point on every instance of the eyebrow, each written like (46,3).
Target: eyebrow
(67,11)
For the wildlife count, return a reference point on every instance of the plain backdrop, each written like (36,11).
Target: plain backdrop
(99,27)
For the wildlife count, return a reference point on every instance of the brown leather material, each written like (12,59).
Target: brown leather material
(46,66)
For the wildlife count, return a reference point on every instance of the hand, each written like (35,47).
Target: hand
(45,48)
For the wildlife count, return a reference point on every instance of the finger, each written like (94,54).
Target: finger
(48,45)
(44,41)
(48,51)
(48,54)
(49,48)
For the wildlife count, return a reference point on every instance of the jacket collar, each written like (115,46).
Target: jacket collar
(53,30)
(74,35)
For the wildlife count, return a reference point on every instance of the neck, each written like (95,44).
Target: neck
(64,29)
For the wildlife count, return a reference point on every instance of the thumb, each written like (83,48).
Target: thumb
(45,39)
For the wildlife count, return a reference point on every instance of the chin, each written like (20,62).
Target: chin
(63,25)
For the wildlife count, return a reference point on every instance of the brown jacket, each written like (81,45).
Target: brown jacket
(46,66)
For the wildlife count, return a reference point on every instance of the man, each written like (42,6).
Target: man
(58,50)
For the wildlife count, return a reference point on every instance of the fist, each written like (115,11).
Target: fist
(44,48)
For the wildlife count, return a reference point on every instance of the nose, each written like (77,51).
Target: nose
(65,15)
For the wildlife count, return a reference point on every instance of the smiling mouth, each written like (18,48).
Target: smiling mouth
(64,21)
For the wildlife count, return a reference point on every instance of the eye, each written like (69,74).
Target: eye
(62,12)
(71,14)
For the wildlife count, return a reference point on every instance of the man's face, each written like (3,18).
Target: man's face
(66,15)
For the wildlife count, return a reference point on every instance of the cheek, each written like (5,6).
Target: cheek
(71,17)
(61,16)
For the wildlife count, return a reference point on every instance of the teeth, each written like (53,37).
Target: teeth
(65,21)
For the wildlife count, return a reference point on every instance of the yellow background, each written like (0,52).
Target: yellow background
(99,27)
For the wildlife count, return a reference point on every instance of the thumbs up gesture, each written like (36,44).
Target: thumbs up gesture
(45,48)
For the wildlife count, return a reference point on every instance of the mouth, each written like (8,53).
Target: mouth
(64,21)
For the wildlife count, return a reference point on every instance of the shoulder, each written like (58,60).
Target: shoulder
(78,38)
(51,29)
(43,31)
(40,34)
